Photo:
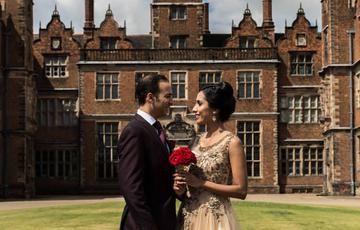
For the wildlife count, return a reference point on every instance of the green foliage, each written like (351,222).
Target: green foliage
(251,215)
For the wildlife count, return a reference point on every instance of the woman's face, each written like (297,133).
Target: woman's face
(203,113)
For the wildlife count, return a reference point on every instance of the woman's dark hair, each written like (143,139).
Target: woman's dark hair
(148,84)
(220,97)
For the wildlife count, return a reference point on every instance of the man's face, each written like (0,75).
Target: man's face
(163,100)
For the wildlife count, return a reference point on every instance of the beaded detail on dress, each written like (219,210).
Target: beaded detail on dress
(213,164)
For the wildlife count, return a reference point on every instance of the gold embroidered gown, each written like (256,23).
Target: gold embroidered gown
(205,210)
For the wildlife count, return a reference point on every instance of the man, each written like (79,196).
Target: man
(145,174)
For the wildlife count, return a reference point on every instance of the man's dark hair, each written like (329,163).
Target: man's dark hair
(148,84)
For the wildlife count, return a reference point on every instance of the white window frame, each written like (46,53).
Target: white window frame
(112,147)
(304,109)
(247,42)
(178,42)
(105,85)
(245,83)
(55,66)
(53,163)
(298,63)
(176,96)
(175,12)
(251,162)
(56,112)
(210,78)
(311,109)
(312,155)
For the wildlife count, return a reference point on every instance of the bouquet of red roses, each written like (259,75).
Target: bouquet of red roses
(182,158)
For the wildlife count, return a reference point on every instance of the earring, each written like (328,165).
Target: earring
(214,117)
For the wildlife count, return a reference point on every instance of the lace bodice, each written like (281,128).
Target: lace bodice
(213,161)
(213,164)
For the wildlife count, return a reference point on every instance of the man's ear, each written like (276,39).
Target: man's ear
(150,97)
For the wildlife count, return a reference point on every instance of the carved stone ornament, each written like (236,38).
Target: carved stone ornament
(180,131)
(55,43)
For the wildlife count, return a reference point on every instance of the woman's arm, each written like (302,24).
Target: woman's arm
(238,188)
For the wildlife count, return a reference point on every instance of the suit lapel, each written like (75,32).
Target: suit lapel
(153,133)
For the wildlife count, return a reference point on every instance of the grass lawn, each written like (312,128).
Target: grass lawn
(252,215)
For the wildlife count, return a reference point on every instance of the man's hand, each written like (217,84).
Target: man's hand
(179,185)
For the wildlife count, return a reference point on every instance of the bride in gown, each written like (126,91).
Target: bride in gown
(220,172)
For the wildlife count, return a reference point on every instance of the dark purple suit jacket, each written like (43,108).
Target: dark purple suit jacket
(145,177)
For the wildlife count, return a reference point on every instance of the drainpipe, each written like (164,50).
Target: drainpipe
(351,112)
(4,118)
(4,133)
(80,142)
(5,136)
(152,27)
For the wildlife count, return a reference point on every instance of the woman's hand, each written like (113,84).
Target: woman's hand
(179,185)
(192,180)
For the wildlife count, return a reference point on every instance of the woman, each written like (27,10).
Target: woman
(220,172)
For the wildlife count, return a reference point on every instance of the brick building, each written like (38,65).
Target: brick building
(56,53)
(294,94)
(340,95)
(17,99)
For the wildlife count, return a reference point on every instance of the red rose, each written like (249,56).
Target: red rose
(182,156)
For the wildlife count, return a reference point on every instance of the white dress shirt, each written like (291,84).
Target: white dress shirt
(150,119)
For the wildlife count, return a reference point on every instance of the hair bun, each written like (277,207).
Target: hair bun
(221,96)
(226,88)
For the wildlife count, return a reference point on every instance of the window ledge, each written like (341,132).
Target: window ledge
(107,100)
(255,178)
(58,78)
(303,123)
(249,98)
(297,176)
(301,75)
(178,19)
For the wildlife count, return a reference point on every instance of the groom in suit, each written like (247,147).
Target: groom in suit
(145,174)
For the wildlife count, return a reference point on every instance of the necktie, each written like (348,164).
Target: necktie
(161,132)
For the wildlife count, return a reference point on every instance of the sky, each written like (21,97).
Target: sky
(136,13)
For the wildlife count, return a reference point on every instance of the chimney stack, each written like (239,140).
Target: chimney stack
(267,14)
(89,17)
(206,18)
(268,24)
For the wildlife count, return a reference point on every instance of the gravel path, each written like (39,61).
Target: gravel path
(307,199)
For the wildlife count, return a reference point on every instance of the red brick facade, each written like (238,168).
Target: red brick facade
(18,96)
(293,92)
(340,96)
